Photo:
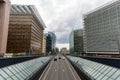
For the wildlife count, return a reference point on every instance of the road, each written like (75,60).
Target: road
(59,70)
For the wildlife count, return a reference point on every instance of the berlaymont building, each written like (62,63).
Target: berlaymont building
(102,30)
(25,32)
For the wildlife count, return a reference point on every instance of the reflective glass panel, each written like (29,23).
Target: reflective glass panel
(1,78)
(116,74)
(3,74)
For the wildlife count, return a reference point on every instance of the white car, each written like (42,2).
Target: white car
(63,58)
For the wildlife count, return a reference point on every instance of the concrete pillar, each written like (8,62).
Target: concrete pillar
(4,23)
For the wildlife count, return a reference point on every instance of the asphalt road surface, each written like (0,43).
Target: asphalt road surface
(59,70)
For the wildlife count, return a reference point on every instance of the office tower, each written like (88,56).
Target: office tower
(25,30)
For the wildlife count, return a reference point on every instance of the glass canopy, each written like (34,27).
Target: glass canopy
(96,70)
(24,70)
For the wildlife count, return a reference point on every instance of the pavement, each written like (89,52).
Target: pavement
(59,70)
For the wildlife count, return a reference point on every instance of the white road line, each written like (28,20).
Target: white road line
(48,70)
(55,70)
(71,70)
(63,70)
(44,71)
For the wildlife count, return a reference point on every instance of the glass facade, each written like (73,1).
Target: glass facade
(71,41)
(96,70)
(50,42)
(76,42)
(24,70)
(102,29)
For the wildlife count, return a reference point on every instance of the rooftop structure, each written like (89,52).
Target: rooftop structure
(27,9)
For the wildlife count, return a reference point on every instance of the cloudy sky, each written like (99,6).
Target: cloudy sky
(62,16)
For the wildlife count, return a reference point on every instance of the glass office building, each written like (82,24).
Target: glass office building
(71,42)
(76,42)
(50,42)
(102,29)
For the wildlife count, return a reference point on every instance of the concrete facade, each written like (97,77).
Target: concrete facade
(44,45)
(4,22)
(25,30)
(64,51)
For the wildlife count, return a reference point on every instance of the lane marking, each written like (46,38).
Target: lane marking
(71,70)
(63,70)
(45,71)
(55,70)
(44,78)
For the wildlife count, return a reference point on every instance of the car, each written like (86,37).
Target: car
(63,58)
(55,59)
(59,57)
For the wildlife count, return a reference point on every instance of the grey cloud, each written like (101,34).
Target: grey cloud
(63,38)
(65,15)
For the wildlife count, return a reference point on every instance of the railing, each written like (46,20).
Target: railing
(94,70)
(24,70)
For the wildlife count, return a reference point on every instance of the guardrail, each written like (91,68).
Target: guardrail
(94,70)
(24,70)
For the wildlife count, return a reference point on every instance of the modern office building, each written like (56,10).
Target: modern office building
(44,45)
(25,30)
(64,51)
(50,42)
(102,29)
(56,50)
(4,23)
(76,42)
(71,42)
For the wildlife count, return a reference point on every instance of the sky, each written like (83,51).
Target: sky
(63,16)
